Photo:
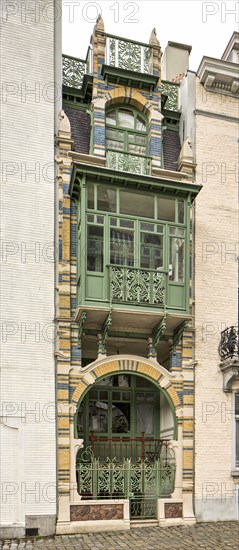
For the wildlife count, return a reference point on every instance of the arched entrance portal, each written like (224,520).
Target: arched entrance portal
(127,422)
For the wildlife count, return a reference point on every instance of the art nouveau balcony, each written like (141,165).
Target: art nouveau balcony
(125,61)
(134,163)
(137,286)
(229,354)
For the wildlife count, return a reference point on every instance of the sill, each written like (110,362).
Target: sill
(235,472)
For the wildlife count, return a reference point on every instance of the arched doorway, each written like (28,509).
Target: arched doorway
(127,425)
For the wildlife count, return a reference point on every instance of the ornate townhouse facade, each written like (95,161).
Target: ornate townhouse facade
(143,290)
(126,341)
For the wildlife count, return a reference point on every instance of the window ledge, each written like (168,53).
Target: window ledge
(235,472)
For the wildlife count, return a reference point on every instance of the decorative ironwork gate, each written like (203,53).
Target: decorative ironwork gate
(142,482)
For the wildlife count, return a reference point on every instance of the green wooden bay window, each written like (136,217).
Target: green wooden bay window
(134,240)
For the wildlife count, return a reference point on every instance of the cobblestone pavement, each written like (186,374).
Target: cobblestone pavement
(210,536)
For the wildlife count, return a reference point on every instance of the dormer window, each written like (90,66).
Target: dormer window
(126,140)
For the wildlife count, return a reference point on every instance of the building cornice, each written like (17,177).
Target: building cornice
(218,75)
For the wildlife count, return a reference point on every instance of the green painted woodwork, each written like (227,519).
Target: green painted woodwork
(127,140)
(127,259)
(134,376)
(118,460)
(138,182)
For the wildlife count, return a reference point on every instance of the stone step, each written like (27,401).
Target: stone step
(136,523)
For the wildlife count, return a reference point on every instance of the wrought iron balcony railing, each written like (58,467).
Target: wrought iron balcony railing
(229,344)
(128,54)
(98,479)
(141,448)
(137,286)
(74,69)
(134,163)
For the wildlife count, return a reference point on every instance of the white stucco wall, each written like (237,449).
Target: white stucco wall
(27,258)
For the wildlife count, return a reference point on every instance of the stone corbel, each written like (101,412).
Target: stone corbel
(230,372)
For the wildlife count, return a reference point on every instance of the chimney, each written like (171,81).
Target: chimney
(175,60)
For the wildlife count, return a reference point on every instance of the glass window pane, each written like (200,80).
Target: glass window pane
(106,199)
(136,149)
(111,118)
(143,383)
(122,380)
(90,196)
(127,223)
(136,204)
(166,209)
(237,404)
(180,211)
(98,416)
(237,443)
(107,381)
(140,124)
(147,227)
(145,417)
(95,257)
(122,247)
(176,260)
(151,251)
(113,222)
(138,140)
(111,144)
(120,417)
(125,118)
(111,134)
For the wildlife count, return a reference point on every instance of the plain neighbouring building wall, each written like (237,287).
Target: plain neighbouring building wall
(216,302)
(28,450)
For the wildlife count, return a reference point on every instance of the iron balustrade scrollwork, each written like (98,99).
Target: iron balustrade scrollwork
(171,90)
(74,69)
(229,344)
(99,479)
(127,162)
(137,286)
(129,55)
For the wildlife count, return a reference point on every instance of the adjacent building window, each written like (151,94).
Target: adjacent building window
(237,430)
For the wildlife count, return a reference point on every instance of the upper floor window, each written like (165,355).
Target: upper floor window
(126,140)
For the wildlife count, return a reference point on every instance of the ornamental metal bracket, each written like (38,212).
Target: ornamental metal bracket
(82,320)
(177,335)
(158,331)
(105,329)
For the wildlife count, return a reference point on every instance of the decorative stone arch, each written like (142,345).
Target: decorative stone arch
(128,96)
(149,369)
(154,372)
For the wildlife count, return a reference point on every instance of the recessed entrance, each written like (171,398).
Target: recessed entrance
(127,424)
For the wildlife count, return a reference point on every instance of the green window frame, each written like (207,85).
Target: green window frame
(147,242)
(110,406)
(126,130)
